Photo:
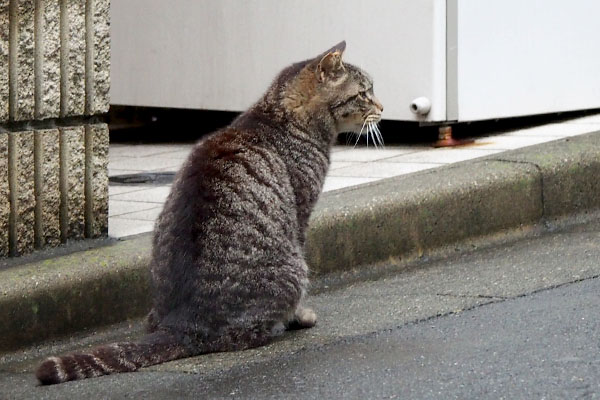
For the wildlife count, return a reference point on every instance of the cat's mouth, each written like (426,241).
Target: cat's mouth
(376,117)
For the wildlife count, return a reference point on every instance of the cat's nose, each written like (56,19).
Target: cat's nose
(377,104)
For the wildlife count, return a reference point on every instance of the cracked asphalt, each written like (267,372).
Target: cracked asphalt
(515,321)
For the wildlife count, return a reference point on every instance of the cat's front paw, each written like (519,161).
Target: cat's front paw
(305,317)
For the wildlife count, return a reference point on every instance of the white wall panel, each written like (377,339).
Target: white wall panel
(525,57)
(222,54)
(506,58)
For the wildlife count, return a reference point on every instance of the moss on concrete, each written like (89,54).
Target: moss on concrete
(70,293)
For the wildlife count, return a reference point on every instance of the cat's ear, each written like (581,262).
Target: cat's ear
(330,64)
(341,46)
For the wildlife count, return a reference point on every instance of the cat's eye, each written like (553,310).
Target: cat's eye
(364,96)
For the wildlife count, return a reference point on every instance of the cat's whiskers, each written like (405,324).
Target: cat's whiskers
(372,131)
(349,136)
(360,133)
(378,134)
(375,134)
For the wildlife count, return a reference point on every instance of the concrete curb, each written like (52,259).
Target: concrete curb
(74,292)
(400,218)
(407,216)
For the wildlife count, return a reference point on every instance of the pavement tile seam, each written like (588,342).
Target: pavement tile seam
(142,151)
(342,164)
(155,194)
(116,172)
(127,218)
(138,208)
(370,159)
(131,216)
(408,168)
(126,169)
(143,201)
(156,164)
(438,163)
(119,189)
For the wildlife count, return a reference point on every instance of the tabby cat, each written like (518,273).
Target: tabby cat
(227,261)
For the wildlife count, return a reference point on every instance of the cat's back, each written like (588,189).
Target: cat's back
(234,162)
(232,186)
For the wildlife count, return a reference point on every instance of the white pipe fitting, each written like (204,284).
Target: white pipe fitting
(420,106)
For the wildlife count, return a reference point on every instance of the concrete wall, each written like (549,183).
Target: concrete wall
(54,82)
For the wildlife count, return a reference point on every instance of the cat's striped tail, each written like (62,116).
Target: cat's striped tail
(155,348)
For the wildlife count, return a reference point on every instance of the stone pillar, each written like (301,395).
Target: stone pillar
(4,38)
(73,50)
(4,196)
(96,180)
(54,70)
(47,70)
(72,173)
(100,57)
(22,196)
(47,188)
(23,61)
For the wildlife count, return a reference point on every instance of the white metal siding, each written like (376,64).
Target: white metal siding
(222,54)
(519,57)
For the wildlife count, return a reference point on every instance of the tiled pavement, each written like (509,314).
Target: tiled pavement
(134,208)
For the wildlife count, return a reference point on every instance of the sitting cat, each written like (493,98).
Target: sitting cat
(227,261)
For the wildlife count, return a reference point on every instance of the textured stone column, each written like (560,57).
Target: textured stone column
(47,188)
(25,85)
(73,51)
(4,36)
(54,63)
(22,195)
(47,59)
(99,47)
(4,196)
(96,180)
(72,175)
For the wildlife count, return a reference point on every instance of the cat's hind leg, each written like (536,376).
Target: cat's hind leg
(303,317)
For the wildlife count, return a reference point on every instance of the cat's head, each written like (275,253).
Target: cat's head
(326,84)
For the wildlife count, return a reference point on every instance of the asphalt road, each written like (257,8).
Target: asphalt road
(516,321)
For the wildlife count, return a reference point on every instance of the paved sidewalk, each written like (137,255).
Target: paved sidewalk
(134,208)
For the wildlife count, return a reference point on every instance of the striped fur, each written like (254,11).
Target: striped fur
(227,260)
(155,348)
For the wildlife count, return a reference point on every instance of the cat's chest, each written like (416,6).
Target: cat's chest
(307,174)
(307,162)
